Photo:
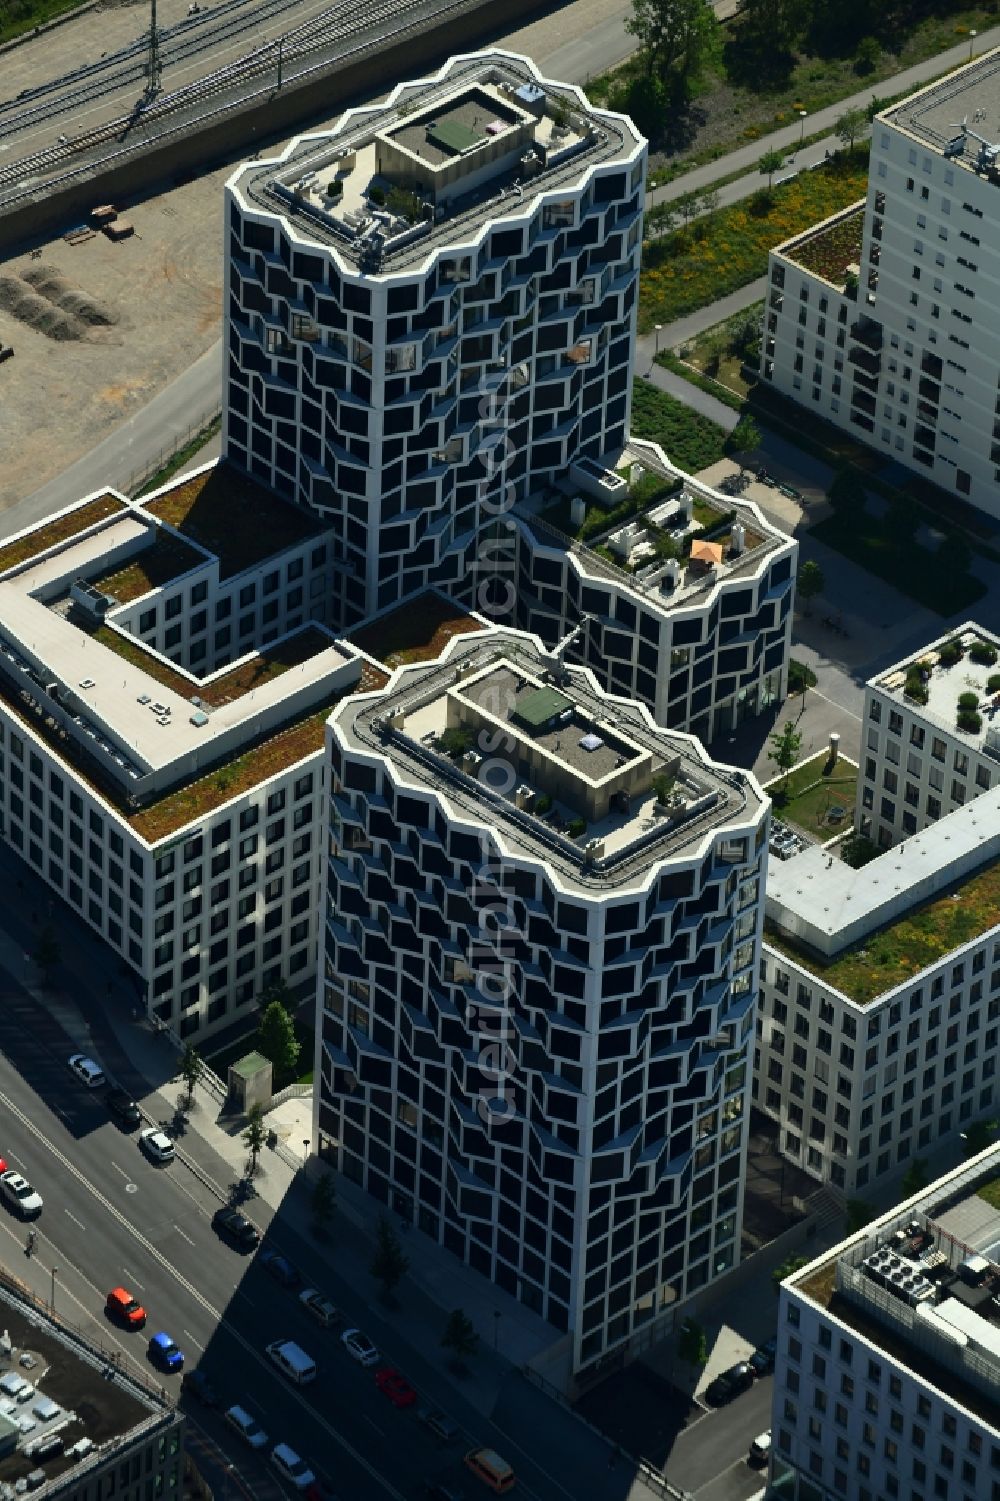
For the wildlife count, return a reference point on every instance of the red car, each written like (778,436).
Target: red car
(395,1387)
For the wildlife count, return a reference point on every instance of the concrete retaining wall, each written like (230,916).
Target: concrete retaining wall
(243,131)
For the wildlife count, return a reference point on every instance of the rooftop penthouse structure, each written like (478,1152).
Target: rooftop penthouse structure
(164,679)
(931,734)
(887,1381)
(883,319)
(880,999)
(628,866)
(431,311)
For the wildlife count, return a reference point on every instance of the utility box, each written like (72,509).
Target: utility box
(250,1082)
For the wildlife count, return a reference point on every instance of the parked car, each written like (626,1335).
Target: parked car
(236,1228)
(360,1347)
(394,1385)
(123,1109)
(729,1384)
(761,1361)
(322,1309)
(19,1195)
(760,1449)
(157,1145)
(293,1468)
(443,1427)
(198,1384)
(164,1353)
(247,1427)
(124,1309)
(280,1268)
(87,1071)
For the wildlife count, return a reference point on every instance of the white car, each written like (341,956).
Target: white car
(87,1071)
(247,1427)
(294,1469)
(19,1195)
(360,1347)
(156,1145)
(760,1448)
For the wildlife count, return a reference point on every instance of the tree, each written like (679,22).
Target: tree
(254,1137)
(788,1266)
(902,517)
(858,850)
(810,582)
(850,126)
(979,1135)
(692,1346)
(276,1039)
(48,953)
(771,162)
(709,202)
(459,1336)
(800,678)
(785,746)
(324,1201)
(678,38)
(190,1069)
(774,25)
(278,991)
(661,218)
(867,56)
(388,1265)
(686,205)
(859,1214)
(847,494)
(915,1178)
(745,437)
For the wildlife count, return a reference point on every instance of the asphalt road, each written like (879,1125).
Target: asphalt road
(709,1458)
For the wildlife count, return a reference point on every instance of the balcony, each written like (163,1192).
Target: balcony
(863,359)
(867,332)
(863,401)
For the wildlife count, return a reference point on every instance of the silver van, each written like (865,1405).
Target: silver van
(292,1361)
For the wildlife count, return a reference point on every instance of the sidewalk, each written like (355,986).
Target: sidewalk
(787,138)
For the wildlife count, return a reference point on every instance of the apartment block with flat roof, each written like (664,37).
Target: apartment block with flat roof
(931,735)
(882,320)
(163,690)
(887,1379)
(542,934)
(879,1014)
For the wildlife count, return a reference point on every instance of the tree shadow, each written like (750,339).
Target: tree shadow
(751,64)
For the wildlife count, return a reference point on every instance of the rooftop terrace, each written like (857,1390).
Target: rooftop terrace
(168,558)
(925,1297)
(60,529)
(417,631)
(828,249)
(933,115)
(599,822)
(463,137)
(930,683)
(225,511)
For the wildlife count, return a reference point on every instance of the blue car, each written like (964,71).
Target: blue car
(164,1353)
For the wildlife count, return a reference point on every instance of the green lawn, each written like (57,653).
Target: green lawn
(910,568)
(19,16)
(920,938)
(721,252)
(690,441)
(811,792)
(990,1192)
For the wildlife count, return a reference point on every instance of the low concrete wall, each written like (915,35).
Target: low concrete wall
(249,129)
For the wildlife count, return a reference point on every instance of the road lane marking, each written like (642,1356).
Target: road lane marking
(192,1339)
(133,1279)
(118,1169)
(152,1250)
(182,1235)
(75,1220)
(373,1424)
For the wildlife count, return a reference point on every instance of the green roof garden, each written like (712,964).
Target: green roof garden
(60,529)
(230,515)
(899,951)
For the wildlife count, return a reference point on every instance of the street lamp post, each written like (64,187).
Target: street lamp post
(52,1297)
(305,1151)
(657,329)
(972,41)
(802,126)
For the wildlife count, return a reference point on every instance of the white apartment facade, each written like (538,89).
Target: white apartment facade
(918,762)
(905,360)
(888,1362)
(431,311)
(874,1043)
(538,997)
(176,811)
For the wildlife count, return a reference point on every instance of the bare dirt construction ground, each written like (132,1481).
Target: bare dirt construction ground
(72,381)
(98,328)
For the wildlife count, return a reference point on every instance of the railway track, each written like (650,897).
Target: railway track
(336,33)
